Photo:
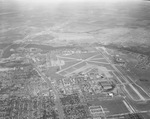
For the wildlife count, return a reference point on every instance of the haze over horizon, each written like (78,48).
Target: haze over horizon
(74,59)
(118,21)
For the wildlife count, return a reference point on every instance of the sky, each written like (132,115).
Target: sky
(58,1)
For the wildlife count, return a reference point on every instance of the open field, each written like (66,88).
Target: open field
(63,73)
(68,64)
(143,93)
(47,47)
(80,55)
(99,60)
(80,65)
(141,77)
(132,93)
(52,73)
(7,53)
(98,57)
(145,84)
(42,37)
(113,106)
(146,115)
(66,59)
(73,56)
(4,45)
(70,70)
(72,63)
(88,55)
(108,66)
(141,106)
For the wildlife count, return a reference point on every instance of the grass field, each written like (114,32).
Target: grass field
(68,64)
(88,55)
(63,73)
(144,84)
(66,59)
(146,115)
(52,73)
(142,77)
(113,106)
(80,65)
(141,92)
(98,57)
(80,55)
(47,47)
(70,70)
(3,45)
(142,106)
(7,53)
(108,66)
(75,56)
(99,60)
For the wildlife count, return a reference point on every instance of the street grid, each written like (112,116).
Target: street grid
(102,60)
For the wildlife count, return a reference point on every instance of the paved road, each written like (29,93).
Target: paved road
(135,106)
(57,101)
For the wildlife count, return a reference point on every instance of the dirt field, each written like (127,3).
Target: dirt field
(113,106)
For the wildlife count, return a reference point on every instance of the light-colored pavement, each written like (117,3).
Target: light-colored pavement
(80,61)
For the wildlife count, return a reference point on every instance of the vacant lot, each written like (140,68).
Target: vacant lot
(68,64)
(99,60)
(113,106)
(132,93)
(108,66)
(98,56)
(141,92)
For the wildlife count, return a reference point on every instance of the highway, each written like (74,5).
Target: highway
(57,101)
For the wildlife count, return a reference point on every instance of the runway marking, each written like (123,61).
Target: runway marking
(137,92)
(78,63)
(70,66)
(139,86)
(98,62)
(68,58)
(127,106)
(118,78)
(97,58)
(142,98)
